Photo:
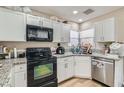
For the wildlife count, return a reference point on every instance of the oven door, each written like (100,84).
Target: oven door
(42,71)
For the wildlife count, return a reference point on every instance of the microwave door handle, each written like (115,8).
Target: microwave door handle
(48,34)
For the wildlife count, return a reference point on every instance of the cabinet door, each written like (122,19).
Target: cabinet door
(47,23)
(57,28)
(65,68)
(70,68)
(33,20)
(61,72)
(65,33)
(109,30)
(20,79)
(98,32)
(12,26)
(83,67)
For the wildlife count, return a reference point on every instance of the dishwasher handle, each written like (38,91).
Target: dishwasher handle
(100,61)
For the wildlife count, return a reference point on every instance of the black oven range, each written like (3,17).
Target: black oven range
(41,67)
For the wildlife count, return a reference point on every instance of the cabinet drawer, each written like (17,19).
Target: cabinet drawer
(80,58)
(19,68)
(66,59)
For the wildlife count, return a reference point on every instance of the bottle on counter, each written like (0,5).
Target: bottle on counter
(106,49)
(1,49)
(60,49)
(15,52)
(78,49)
(73,49)
(6,51)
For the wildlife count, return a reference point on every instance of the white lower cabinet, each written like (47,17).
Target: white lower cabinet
(82,66)
(73,66)
(61,71)
(65,68)
(20,79)
(70,68)
(20,75)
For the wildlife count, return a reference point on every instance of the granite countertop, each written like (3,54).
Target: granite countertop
(6,66)
(4,71)
(108,56)
(68,54)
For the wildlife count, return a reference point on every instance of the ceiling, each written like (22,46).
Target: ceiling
(66,12)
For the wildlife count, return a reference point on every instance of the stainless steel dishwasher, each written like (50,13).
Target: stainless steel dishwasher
(103,70)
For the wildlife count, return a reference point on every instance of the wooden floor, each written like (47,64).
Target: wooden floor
(78,82)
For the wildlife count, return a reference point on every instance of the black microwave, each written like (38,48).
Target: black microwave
(37,33)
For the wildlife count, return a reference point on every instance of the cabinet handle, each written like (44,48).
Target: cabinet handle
(24,76)
(41,23)
(74,63)
(66,65)
(25,37)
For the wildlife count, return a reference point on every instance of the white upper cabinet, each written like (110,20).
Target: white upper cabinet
(65,33)
(12,26)
(98,32)
(57,29)
(33,20)
(61,32)
(109,29)
(47,23)
(105,30)
(39,21)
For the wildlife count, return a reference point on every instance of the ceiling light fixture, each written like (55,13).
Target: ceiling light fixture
(75,12)
(80,20)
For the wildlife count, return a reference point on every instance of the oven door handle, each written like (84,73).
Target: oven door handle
(47,84)
(32,63)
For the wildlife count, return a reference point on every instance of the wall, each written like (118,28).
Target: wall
(117,14)
(21,45)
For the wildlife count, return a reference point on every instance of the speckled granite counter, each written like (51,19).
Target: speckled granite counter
(6,66)
(108,56)
(68,54)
